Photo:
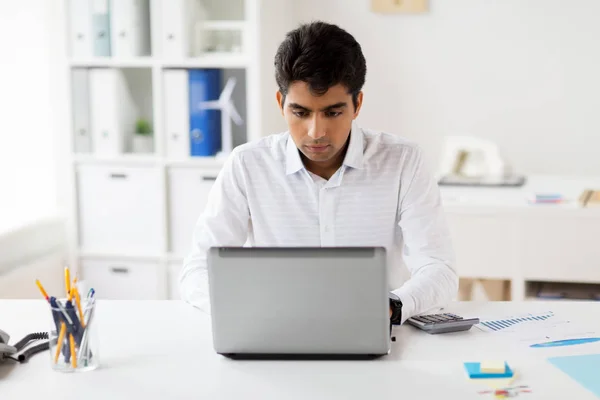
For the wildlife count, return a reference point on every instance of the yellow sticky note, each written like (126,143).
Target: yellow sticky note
(494,367)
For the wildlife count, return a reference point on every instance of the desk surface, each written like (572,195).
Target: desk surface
(163,349)
(515,199)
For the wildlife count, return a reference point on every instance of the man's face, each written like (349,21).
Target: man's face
(319,125)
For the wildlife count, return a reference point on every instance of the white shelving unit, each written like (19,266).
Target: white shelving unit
(131,215)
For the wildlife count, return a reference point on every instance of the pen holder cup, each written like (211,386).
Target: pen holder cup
(73,339)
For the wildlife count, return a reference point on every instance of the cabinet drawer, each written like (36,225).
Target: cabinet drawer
(174,270)
(561,248)
(123,280)
(188,194)
(485,245)
(120,209)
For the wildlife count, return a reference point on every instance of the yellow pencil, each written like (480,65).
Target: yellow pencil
(61,337)
(78,302)
(39,285)
(67,281)
(73,355)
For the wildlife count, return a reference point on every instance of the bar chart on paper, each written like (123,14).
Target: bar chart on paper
(514,322)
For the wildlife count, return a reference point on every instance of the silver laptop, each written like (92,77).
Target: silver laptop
(306,302)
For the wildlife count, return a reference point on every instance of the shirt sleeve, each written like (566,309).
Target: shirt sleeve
(223,222)
(427,251)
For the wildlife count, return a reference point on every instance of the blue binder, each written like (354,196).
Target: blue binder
(101,28)
(205,124)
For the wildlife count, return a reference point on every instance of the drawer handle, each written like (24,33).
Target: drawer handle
(118,176)
(120,270)
(209,178)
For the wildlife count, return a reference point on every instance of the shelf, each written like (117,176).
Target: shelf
(129,159)
(203,162)
(224,25)
(211,60)
(107,62)
(82,253)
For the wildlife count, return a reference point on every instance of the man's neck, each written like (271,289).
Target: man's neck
(326,169)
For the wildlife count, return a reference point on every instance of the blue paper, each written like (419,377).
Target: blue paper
(583,369)
(474,371)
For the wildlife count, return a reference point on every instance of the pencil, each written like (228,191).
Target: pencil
(39,285)
(73,355)
(61,336)
(78,303)
(67,281)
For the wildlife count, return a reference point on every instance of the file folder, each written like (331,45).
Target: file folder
(175,32)
(205,125)
(80,28)
(80,97)
(130,28)
(179,34)
(176,107)
(111,111)
(101,28)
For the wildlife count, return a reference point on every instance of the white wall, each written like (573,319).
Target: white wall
(523,73)
(27,130)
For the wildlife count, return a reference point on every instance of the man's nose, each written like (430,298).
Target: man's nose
(317,129)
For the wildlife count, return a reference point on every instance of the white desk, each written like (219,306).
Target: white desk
(497,234)
(163,350)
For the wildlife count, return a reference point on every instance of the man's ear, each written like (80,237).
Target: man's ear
(280,100)
(359,100)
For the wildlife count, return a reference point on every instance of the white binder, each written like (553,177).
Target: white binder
(80,28)
(130,28)
(177,115)
(111,111)
(80,97)
(179,19)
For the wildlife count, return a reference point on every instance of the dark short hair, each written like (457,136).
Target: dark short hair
(322,55)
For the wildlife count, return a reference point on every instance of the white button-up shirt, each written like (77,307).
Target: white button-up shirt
(382,195)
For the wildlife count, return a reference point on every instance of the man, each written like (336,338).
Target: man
(326,182)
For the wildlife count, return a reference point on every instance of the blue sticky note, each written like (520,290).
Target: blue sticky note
(474,371)
(583,369)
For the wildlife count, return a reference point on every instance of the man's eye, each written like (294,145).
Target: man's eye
(300,114)
(333,114)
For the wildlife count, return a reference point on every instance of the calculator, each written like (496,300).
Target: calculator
(442,323)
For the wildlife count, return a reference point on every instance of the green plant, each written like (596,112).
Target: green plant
(142,127)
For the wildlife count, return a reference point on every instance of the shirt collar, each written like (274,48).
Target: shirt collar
(354,154)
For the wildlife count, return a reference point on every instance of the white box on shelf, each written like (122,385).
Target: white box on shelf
(130,28)
(120,209)
(188,193)
(80,28)
(176,113)
(123,279)
(80,92)
(110,109)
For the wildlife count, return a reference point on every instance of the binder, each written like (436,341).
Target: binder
(205,125)
(80,28)
(176,107)
(82,140)
(130,28)
(110,111)
(101,28)
(178,18)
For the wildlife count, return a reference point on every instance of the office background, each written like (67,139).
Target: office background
(522,74)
